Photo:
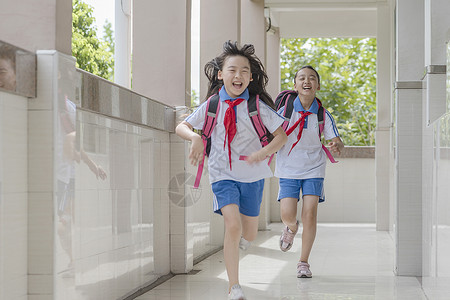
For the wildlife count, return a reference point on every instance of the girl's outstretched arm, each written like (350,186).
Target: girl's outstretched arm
(279,139)
(184,130)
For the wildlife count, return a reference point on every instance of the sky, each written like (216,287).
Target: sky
(103,10)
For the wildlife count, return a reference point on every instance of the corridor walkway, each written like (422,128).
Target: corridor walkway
(348,261)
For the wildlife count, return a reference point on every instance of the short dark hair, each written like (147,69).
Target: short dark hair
(307,67)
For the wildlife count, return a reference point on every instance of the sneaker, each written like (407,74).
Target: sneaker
(303,270)
(287,238)
(244,244)
(236,293)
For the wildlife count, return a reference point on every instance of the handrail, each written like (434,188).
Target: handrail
(357,152)
(17,70)
(107,98)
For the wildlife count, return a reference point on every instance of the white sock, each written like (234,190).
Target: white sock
(244,244)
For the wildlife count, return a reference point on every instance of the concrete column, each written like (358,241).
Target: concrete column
(181,234)
(253,28)
(44,25)
(271,207)
(436,38)
(434,107)
(37,24)
(273,88)
(408,227)
(215,29)
(410,65)
(253,32)
(55,79)
(161,71)
(161,50)
(273,63)
(410,40)
(430,160)
(122,50)
(383,131)
(436,31)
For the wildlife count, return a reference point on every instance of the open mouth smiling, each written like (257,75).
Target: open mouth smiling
(237,85)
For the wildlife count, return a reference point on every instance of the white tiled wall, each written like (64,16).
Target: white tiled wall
(409,183)
(41,177)
(349,190)
(435,97)
(440,212)
(13,197)
(207,227)
(97,237)
(436,207)
(195,229)
(118,229)
(115,219)
(428,191)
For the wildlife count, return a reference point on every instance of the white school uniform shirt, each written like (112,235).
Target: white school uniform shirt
(307,159)
(245,142)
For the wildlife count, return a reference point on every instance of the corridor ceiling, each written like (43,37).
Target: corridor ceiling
(324,18)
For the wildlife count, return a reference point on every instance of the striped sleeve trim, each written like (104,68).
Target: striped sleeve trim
(262,102)
(333,123)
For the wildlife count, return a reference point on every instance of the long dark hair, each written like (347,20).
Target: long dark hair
(260,78)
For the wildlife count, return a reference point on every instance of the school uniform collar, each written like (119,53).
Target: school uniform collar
(223,95)
(299,107)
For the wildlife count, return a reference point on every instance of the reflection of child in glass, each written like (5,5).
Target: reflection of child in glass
(236,75)
(7,68)
(70,152)
(67,154)
(301,165)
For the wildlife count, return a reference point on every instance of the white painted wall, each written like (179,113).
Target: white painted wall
(349,191)
(13,197)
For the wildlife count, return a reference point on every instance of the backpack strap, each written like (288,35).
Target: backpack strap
(281,99)
(212,107)
(321,120)
(286,99)
(288,110)
(255,118)
(320,117)
(253,113)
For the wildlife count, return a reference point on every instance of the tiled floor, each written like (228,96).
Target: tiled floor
(348,261)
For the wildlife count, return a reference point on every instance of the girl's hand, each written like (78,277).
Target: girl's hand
(184,130)
(196,152)
(257,156)
(101,173)
(336,145)
(279,139)
(334,148)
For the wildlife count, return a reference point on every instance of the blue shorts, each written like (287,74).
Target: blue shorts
(247,196)
(290,188)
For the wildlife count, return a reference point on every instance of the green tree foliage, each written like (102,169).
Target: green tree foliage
(195,101)
(347,69)
(110,45)
(91,53)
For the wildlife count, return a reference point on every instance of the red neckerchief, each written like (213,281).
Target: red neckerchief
(230,124)
(301,121)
